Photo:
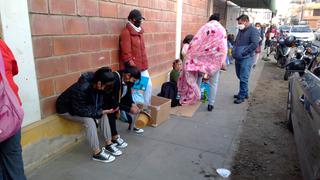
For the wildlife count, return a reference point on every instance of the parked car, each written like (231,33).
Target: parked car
(284,29)
(302,32)
(303,115)
(317,34)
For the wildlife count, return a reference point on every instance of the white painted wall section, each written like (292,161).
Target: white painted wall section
(16,32)
(178,28)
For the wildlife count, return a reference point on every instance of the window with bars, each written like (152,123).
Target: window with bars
(316,12)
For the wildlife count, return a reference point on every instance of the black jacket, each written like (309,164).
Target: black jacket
(81,99)
(126,101)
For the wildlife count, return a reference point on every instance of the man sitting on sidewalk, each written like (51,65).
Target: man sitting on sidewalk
(83,102)
(124,80)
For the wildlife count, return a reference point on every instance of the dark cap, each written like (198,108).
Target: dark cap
(135,14)
(243,17)
(215,16)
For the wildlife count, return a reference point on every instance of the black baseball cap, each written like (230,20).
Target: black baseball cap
(135,14)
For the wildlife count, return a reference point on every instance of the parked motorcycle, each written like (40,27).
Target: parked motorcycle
(282,52)
(304,51)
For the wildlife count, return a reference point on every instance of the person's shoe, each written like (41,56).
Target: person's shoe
(210,107)
(237,96)
(238,101)
(103,156)
(120,143)
(112,149)
(138,130)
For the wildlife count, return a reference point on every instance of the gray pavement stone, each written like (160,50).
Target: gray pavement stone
(181,148)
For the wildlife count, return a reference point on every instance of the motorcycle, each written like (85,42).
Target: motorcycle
(304,51)
(282,52)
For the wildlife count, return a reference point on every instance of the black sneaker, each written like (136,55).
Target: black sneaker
(112,149)
(120,143)
(238,101)
(237,97)
(103,156)
(210,107)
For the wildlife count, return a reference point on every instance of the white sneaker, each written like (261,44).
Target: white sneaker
(138,130)
(120,143)
(103,156)
(112,149)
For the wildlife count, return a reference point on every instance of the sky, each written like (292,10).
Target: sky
(282,6)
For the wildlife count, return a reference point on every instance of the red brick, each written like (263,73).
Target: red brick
(90,43)
(124,10)
(100,59)
(110,42)
(75,25)
(119,1)
(79,62)
(42,47)
(51,67)
(48,106)
(114,67)
(46,25)
(62,7)
(144,3)
(98,26)
(38,6)
(114,26)
(115,56)
(88,8)
(132,2)
(107,9)
(63,82)
(46,88)
(66,45)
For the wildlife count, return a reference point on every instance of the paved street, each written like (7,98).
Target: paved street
(181,148)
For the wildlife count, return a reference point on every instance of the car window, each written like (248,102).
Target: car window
(301,29)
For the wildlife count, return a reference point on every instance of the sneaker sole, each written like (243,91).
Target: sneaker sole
(111,159)
(114,154)
(122,146)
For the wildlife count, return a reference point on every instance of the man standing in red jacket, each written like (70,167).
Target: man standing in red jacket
(133,51)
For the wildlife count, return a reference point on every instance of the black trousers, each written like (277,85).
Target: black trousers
(113,125)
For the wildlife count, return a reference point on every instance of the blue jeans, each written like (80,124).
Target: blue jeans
(11,163)
(243,68)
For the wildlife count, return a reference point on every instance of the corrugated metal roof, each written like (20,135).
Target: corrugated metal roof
(263,4)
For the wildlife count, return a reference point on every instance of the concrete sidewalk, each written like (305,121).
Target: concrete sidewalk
(180,149)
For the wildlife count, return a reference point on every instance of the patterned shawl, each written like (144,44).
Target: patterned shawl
(206,52)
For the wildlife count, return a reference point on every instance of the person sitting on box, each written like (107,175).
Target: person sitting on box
(124,80)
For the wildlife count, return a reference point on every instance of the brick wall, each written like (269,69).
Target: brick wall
(194,15)
(73,36)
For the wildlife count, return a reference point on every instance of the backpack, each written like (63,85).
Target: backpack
(11,113)
(169,90)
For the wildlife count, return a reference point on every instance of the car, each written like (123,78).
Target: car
(284,29)
(303,114)
(302,32)
(317,34)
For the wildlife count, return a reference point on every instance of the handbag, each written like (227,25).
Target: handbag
(11,113)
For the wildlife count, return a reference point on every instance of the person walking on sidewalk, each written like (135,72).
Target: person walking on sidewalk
(11,163)
(133,51)
(258,49)
(207,52)
(83,102)
(246,43)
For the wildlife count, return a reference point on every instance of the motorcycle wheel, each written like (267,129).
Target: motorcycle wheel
(281,62)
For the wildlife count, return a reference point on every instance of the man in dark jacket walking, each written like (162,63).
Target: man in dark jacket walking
(243,51)
(84,102)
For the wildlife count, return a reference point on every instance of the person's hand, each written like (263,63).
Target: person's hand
(116,109)
(131,63)
(134,109)
(108,111)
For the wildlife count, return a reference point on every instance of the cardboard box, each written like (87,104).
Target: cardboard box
(160,110)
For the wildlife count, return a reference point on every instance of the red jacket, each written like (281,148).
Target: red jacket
(10,66)
(132,48)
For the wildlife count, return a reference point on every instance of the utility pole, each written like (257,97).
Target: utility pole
(302,7)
